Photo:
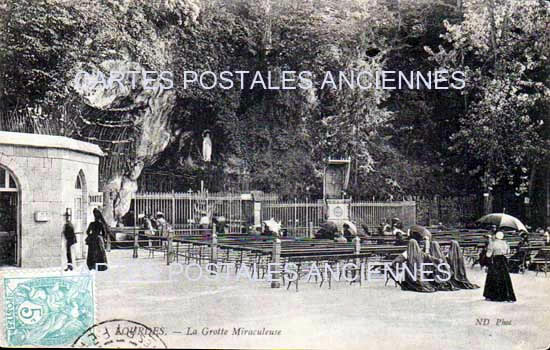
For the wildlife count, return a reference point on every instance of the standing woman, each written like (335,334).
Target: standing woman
(95,241)
(498,285)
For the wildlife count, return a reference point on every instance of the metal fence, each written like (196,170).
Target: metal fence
(299,218)
(371,214)
(184,210)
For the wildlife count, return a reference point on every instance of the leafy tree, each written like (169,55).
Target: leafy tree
(502,46)
(401,142)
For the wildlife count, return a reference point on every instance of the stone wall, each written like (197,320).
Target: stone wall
(46,180)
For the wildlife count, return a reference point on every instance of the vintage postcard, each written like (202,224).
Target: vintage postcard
(275,174)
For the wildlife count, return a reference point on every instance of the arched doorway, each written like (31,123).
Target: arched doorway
(80,210)
(9,218)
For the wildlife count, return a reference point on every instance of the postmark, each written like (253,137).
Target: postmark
(120,333)
(47,311)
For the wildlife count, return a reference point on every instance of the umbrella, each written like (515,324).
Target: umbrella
(220,219)
(419,232)
(327,230)
(395,221)
(502,220)
(204,220)
(329,226)
(273,225)
(352,227)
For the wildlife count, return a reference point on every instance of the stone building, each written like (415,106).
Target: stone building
(42,180)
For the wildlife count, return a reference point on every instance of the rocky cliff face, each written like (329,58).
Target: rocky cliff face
(125,113)
(131,103)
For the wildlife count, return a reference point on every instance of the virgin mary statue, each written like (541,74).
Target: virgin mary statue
(206,146)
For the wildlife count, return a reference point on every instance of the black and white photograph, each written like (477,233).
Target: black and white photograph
(275,174)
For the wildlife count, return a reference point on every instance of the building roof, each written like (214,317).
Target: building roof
(48,141)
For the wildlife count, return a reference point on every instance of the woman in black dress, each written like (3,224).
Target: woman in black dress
(498,285)
(95,241)
(458,269)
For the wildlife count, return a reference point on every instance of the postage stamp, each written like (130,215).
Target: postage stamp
(47,311)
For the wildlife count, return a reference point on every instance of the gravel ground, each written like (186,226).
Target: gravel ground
(370,316)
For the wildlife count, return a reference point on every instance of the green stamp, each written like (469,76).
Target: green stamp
(47,311)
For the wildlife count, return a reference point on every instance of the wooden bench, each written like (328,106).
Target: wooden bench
(541,261)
